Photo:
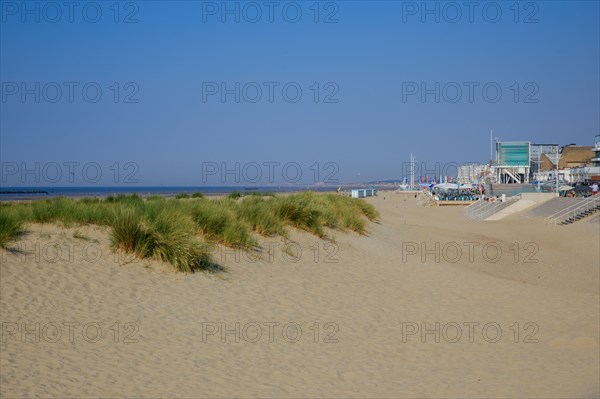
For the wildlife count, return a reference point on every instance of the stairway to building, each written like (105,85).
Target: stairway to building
(575,212)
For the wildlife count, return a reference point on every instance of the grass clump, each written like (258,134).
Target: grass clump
(237,194)
(217,221)
(133,199)
(259,216)
(182,196)
(172,239)
(128,232)
(177,231)
(299,211)
(259,194)
(167,236)
(197,195)
(368,210)
(234,195)
(236,235)
(212,219)
(51,210)
(70,212)
(11,227)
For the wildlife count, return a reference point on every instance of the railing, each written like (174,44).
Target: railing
(555,217)
(470,210)
(574,210)
(481,210)
(492,209)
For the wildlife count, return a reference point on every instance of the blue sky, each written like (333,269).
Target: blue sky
(369,61)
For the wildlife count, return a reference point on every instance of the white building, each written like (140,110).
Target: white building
(471,173)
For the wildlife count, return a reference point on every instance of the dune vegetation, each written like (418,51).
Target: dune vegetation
(176,230)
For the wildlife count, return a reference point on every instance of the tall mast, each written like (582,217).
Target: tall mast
(491,146)
(412,170)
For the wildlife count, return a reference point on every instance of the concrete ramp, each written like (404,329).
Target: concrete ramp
(549,208)
(481,210)
(528,200)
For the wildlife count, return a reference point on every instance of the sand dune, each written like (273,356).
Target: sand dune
(360,304)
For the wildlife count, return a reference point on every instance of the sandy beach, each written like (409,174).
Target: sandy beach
(429,304)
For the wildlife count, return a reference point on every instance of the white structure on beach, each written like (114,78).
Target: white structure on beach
(363,192)
(471,173)
(513,161)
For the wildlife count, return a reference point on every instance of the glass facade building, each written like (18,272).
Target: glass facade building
(513,154)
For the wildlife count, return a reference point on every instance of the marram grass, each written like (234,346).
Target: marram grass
(177,230)
(10,226)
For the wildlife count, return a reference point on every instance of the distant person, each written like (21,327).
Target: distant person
(595,189)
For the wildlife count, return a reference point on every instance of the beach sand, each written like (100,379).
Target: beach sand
(359,303)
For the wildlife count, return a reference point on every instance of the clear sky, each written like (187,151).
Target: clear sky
(200,84)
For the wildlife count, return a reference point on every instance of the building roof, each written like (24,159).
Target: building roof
(571,156)
(575,155)
(546,164)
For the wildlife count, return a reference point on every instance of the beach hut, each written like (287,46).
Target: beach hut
(363,192)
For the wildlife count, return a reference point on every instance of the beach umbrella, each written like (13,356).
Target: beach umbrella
(565,188)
